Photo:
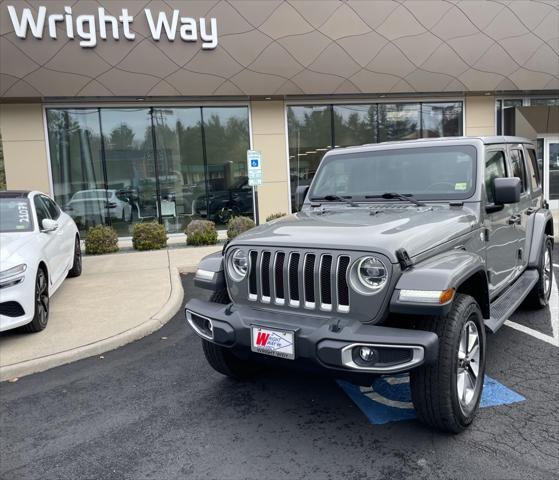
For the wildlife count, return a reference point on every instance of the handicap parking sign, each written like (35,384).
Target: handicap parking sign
(254,166)
(388,399)
(254,163)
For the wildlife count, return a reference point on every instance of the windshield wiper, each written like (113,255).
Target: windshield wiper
(406,197)
(334,198)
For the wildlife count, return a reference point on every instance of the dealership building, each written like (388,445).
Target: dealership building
(129,111)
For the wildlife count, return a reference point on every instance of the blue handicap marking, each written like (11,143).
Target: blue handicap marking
(389,398)
(254,163)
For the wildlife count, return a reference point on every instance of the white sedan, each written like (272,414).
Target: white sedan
(39,248)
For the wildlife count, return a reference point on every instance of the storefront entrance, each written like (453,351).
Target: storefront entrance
(550,145)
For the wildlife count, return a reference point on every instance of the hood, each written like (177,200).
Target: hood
(10,243)
(380,228)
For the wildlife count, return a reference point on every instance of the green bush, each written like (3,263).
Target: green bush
(273,216)
(201,232)
(101,239)
(149,236)
(238,225)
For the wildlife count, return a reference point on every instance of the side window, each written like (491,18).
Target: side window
(52,208)
(534,170)
(42,211)
(518,168)
(495,167)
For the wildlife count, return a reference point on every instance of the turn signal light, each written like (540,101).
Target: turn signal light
(446,296)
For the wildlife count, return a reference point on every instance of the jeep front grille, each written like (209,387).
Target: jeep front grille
(313,281)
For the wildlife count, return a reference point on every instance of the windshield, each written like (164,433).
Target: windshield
(427,173)
(15,215)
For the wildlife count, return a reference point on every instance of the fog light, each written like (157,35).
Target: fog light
(367,354)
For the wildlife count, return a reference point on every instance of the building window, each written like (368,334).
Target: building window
(120,166)
(544,102)
(2,168)
(315,129)
(506,122)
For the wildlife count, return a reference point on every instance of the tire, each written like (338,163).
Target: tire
(76,269)
(220,296)
(539,295)
(435,388)
(41,316)
(223,361)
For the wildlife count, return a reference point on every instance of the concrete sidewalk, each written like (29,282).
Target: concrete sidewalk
(118,298)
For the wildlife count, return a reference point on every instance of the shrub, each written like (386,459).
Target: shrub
(149,236)
(101,239)
(201,232)
(273,216)
(238,225)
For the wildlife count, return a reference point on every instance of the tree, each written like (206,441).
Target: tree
(122,137)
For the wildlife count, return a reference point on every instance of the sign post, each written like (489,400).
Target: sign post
(254,169)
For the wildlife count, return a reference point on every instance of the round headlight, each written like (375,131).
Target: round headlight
(239,264)
(371,275)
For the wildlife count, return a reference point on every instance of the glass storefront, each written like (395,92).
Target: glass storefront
(120,166)
(315,129)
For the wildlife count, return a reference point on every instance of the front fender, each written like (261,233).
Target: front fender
(439,273)
(210,274)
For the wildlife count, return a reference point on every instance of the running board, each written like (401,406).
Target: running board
(510,300)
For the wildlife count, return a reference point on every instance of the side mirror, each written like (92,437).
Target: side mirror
(506,190)
(49,225)
(300,194)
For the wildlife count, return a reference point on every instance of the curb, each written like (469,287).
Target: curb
(167,311)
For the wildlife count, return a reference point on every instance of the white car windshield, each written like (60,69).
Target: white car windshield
(427,173)
(15,215)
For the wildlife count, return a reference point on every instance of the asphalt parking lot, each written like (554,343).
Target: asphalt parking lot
(155,409)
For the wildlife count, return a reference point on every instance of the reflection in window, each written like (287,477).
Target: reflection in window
(313,129)
(76,162)
(131,175)
(441,119)
(180,163)
(398,121)
(310,137)
(149,164)
(355,124)
(226,137)
(544,102)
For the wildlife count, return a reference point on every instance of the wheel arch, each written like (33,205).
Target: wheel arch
(477,287)
(540,227)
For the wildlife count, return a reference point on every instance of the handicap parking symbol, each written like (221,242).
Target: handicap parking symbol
(254,163)
(389,398)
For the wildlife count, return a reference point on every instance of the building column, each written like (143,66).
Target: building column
(269,136)
(480,115)
(25,147)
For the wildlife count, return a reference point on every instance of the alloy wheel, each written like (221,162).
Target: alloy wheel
(547,271)
(42,298)
(467,377)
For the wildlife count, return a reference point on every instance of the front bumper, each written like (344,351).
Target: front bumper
(327,343)
(23,294)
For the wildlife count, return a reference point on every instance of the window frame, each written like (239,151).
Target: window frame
(523,180)
(533,168)
(488,151)
(49,201)
(39,199)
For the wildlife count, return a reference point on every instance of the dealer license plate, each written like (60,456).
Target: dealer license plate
(277,343)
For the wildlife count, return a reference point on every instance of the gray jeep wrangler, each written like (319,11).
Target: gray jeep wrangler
(403,256)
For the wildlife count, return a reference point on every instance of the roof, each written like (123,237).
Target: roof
(487,140)
(14,193)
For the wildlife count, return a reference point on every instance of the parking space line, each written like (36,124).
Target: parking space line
(554,310)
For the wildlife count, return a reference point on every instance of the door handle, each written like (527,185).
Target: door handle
(514,219)
(531,210)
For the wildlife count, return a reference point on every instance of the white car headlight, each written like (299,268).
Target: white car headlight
(13,275)
(368,275)
(238,262)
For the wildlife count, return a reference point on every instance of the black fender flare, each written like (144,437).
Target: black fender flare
(458,269)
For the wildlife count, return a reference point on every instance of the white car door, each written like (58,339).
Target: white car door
(65,233)
(50,243)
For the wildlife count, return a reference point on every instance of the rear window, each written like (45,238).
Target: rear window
(15,215)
